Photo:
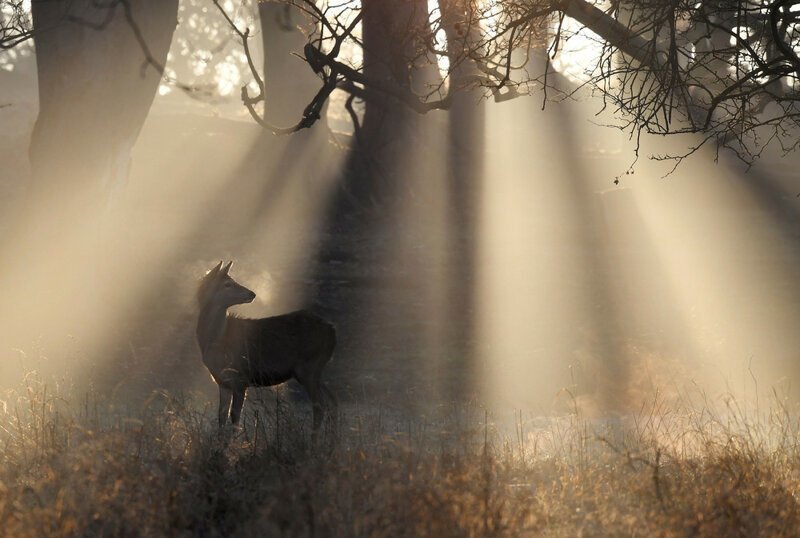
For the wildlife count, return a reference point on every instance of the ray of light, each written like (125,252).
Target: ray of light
(732,264)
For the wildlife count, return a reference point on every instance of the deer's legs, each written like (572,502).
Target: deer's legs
(316,406)
(238,402)
(311,384)
(225,395)
(332,404)
(332,401)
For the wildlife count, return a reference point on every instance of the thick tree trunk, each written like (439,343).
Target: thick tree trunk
(371,210)
(385,134)
(96,84)
(290,85)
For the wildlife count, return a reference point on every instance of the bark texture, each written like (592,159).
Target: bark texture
(99,66)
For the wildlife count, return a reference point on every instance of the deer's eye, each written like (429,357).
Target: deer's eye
(227,284)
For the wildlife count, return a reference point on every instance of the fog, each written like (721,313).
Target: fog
(589,285)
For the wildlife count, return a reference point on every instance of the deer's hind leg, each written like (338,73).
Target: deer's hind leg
(332,405)
(332,402)
(310,382)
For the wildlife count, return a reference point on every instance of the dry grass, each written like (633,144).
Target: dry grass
(89,467)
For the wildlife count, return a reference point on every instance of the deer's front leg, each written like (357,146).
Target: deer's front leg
(238,402)
(225,396)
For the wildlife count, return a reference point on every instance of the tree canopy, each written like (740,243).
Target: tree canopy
(727,69)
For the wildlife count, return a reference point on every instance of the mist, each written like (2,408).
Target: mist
(512,267)
(377,268)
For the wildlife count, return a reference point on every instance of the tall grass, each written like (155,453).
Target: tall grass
(78,466)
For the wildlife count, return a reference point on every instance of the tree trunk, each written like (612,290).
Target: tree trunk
(383,139)
(465,175)
(290,85)
(96,85)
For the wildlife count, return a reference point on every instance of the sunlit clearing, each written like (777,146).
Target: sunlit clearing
(535,276)
(731,268)
(599,295)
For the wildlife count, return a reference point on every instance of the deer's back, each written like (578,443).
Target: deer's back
(272,350)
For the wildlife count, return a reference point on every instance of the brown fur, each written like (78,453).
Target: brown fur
(241,352)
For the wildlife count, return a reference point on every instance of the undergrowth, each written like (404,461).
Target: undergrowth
(78,466)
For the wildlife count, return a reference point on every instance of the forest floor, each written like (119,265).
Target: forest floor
(80,466)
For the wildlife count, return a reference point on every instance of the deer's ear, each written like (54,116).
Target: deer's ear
(214,270)
(227,267)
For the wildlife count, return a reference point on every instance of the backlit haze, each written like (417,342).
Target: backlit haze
(585,289)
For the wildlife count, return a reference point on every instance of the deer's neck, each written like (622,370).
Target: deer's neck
(211,327)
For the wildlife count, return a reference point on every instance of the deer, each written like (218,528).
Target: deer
(242,352)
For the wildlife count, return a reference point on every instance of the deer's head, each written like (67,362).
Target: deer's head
(218,289)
